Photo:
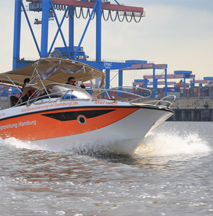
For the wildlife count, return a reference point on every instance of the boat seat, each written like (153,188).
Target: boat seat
(13,100)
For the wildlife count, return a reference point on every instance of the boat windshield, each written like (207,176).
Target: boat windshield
(60,91)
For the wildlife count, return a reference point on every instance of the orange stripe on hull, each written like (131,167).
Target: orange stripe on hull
(40,126)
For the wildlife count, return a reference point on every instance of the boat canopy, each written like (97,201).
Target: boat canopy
(52,70)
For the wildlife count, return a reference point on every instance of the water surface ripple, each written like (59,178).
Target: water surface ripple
(169,174)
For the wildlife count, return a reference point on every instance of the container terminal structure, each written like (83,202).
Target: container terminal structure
(194,99)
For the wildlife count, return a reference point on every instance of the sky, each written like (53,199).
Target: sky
(178,33)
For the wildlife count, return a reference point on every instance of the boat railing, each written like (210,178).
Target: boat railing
(135,95)
(53,92)
(68,92)
(122,93)
(165,102)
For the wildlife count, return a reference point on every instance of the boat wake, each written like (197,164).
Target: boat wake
(98,148)
(15,143)
(168,144)
(162,144)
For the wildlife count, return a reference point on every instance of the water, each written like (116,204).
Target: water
(169,174)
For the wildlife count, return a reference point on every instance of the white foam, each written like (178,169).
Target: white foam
(173,143)
(81,147)
(13,142)
(156,144)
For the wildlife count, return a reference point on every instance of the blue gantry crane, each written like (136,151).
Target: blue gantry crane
(87,9)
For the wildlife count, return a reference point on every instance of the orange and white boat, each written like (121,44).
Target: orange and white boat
(62,116)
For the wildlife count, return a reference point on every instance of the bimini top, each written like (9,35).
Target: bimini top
(52,70)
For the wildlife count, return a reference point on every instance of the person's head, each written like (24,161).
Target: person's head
(71,81)
(26,81)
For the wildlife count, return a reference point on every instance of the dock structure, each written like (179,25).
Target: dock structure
(193,109)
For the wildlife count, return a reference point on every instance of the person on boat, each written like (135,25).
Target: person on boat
(26,91)
(72,81)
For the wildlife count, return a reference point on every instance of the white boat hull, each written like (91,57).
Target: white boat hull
(121,137)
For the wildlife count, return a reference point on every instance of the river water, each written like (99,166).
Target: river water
(171,173)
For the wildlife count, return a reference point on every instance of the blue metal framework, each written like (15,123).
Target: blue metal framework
(206,80)
(72,52)
(140,65)
(177,75)
(45,6)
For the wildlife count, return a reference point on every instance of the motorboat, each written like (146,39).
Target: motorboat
(61,116)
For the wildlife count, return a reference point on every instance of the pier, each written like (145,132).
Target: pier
(193,109)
